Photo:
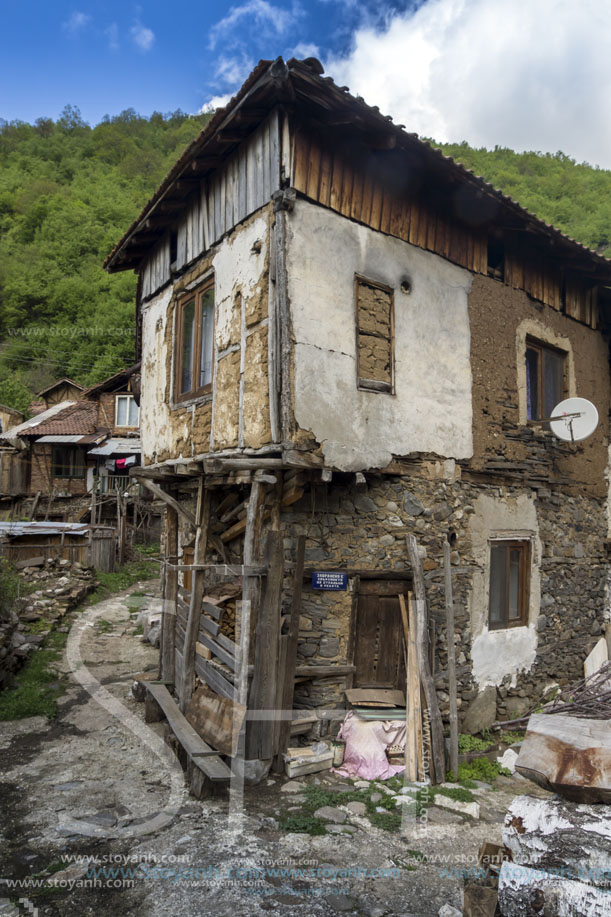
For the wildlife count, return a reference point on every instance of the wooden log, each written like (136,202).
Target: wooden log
(568,755)
(170,597)
(197,594)
(413,724)
(290,661)
(437,738)
(259,739)
(551,833)
(169,500)
(251,586)
(324,671)
(447,570)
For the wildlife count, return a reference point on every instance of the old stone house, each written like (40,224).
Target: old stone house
(346,339)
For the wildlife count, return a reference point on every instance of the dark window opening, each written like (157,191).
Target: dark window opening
(509,583)
(496,259)
(195,343)
(67,463)
(545,379)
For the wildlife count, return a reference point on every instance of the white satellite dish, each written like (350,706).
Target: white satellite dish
(574,419)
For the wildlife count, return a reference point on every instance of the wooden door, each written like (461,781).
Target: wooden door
(378,635)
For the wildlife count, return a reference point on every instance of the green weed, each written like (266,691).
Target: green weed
(38,686)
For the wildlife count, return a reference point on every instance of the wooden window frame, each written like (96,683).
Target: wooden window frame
(525,548)
(76,462)
(196,295)
(125,426)
(373,385)
(540,347)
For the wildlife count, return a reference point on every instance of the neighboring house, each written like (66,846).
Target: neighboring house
(347,336)
(9,417)
(73,447)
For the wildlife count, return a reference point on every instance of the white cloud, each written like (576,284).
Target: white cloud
(517,73)
(142,37)
(215,102)
(263,18)
(112,34)
(303,50)
(76,23)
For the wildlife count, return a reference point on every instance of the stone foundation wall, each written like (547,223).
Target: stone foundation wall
(365,529)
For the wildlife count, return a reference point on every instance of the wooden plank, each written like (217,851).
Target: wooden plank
(169,500)
(214,768)
(212,609)
(437,737)
(290,661)
(366,643)
(376,204)
(313,178)
(302,150)
(412,692)
(376,697)
(209,625)
(324,193)
(324,671)
(259,740)
(197,593)
(215,679)
(335,196)
(447,569)
(216,719)
(170,597)
(215,648)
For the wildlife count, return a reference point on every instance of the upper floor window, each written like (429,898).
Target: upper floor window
(126,411)
(194,343)
(67,462)
(545,379)
(509,584)
(375,336)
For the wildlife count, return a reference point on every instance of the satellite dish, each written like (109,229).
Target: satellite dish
(573,419)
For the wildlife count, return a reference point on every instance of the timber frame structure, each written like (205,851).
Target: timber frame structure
(368,413)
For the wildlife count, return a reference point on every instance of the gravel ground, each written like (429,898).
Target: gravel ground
(94,802)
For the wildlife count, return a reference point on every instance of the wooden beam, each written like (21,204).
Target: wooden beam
(302,459)
(170,596)
(447,570)
(197,594)
(323,671)
(260,737)
(290,662)
(218,465)
(426,680)
(170,501)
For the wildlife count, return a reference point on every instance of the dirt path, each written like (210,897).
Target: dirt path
(95,800)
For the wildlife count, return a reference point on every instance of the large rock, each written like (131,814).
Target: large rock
(481,712)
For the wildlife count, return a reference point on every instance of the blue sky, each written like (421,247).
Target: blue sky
(529,74)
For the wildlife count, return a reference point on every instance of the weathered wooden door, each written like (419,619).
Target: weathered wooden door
(378,635)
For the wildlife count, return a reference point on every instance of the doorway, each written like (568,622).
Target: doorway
(378,635)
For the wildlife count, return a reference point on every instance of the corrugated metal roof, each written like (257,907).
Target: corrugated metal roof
(16,529)
(118,447)
(61,438)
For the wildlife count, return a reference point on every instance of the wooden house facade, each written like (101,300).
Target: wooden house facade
(349,347)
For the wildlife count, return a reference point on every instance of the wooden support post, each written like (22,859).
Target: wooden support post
(290,664)
(413,713)
(428,686)
(197,594)
(35,505)
(263,694)
(162,495)
(251,585)
(170,594)
(447,570)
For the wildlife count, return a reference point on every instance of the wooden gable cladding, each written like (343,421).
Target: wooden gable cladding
(529,270)
(581,300)
(244,183)
(341,178)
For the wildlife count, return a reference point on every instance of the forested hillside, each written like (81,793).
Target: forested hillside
(68,192)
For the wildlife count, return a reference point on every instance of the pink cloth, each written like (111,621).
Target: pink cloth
(366,743)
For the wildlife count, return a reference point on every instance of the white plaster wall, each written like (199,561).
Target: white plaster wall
(498,653)
(431,410)
(154,407)
(238,265)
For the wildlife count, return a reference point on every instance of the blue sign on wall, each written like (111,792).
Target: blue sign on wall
(334,582)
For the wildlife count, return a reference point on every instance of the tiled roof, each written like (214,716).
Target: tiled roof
(79,418)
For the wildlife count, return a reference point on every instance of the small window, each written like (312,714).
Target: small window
(496,258)
(194,343)
(67,463)
(545,379)
(126,411)
(375,332)
(509,569)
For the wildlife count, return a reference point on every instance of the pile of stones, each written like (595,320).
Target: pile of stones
(60,585)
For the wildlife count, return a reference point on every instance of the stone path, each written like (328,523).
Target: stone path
(98,783)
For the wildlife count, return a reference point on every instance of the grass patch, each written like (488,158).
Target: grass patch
(458,793)
(103,626)
(139,630)
(38,686)
(479,769)
(510,738)
(467,744)
(38,627)
(303,824)
(129,574)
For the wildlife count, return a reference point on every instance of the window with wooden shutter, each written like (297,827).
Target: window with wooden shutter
(375,336)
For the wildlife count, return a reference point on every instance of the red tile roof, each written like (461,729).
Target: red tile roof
(80,418)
